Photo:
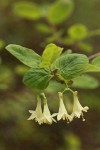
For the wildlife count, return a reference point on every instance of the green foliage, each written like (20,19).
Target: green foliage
(85,82)
(27,10)
(96,61)
(25,55)
(81,82)
(52,15)
(37,78)
(50,54)
(76,36)
(72,65)
(55,86)
(93,68)
(78,31)
(69,51)
(60,11)
(52,64)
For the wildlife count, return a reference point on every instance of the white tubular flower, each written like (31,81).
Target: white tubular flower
(47,117)
(62,114)
(77,108)
(37,114)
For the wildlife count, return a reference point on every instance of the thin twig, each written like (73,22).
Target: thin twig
(94,55)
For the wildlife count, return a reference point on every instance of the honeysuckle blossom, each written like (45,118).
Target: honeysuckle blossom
(42,117)
(47,117)
(37,114)
(77,108)
(62,113)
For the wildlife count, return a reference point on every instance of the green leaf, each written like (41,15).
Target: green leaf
(55,86)
(85,82)
(25,55)
(93,68)
(27,10)
(78,31)
(71,65)
(96,61)
(50,54)
(37,78)
(60,11)
(66,52)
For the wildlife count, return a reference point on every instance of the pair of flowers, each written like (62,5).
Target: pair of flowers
(46,117)
(42,117)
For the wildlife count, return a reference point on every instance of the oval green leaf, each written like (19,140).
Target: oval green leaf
(25,55)
(78,31)
(50,54)
(93,68)
(71,65)
(27,10)
(85,82)
(96,61)
(37,78)
(60,11)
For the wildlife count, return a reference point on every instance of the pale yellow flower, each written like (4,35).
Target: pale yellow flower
(62,113)
(77,108)
(40,117)
(37,114)
(47,117)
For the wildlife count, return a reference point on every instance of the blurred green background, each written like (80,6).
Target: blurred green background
(33,24)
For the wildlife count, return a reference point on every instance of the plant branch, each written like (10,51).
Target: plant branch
(94,55)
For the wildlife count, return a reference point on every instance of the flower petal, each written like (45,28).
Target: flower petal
(33,116)
(31,111)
